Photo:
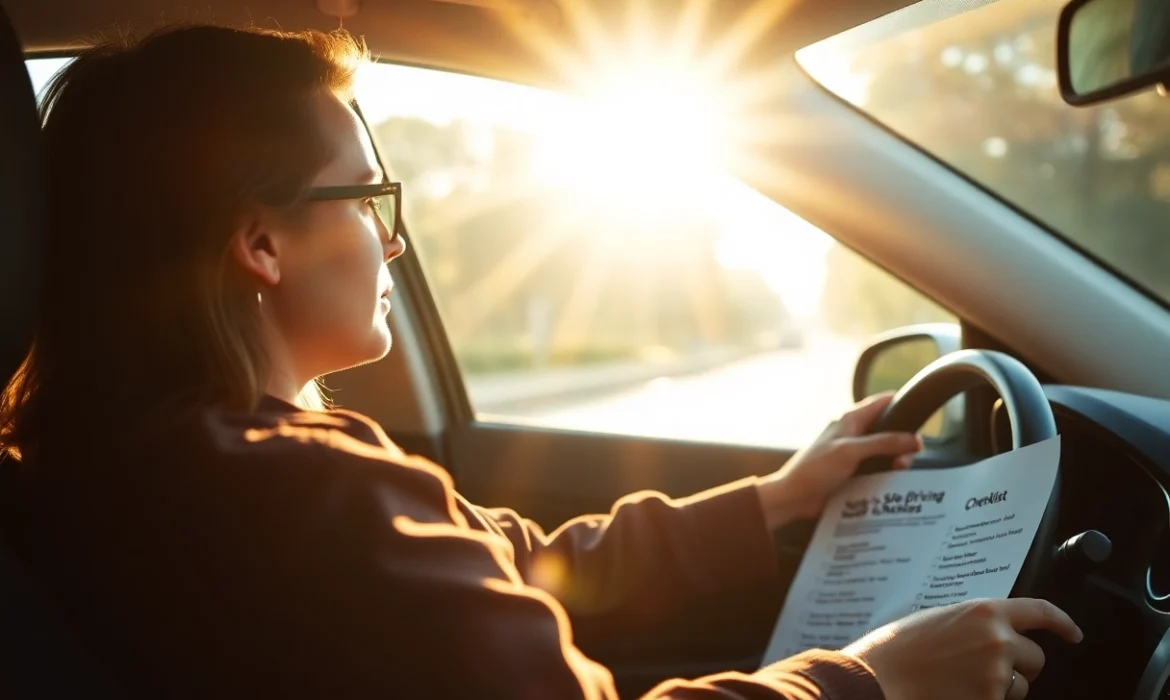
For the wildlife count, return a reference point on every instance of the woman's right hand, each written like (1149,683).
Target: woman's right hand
(967,651)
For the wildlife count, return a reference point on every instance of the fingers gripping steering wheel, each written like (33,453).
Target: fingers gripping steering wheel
(1031,420)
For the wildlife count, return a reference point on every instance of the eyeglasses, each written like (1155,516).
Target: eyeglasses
(385,201)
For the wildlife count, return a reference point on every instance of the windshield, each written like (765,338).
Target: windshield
(979,91)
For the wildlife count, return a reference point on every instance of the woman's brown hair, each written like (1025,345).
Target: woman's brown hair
(156,148)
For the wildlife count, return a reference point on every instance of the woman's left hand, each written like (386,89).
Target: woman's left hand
(800,489)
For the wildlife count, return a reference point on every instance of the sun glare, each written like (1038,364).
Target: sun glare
(640,141)
(644,138)
(833,69)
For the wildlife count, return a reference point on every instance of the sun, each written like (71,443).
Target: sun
(645,147)
(646,140)
(667,104)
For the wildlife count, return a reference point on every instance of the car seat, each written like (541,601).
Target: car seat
(40,657)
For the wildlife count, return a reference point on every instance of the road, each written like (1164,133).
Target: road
(781,399)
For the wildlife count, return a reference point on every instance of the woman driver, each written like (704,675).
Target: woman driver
(218,238)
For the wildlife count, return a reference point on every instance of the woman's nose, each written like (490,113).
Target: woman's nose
(393,246)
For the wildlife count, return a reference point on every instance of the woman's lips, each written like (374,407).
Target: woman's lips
(384,298)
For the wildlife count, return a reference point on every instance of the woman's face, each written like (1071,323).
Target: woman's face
(329,308)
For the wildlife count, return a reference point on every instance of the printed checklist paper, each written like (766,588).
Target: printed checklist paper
(892,543)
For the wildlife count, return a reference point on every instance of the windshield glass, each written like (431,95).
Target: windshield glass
(979,91)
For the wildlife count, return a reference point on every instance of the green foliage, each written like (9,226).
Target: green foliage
(979,91)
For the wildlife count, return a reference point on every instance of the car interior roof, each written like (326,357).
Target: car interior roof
(485,37)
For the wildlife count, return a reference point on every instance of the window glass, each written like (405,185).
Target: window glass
(594,271)
(41,70)
(979,91)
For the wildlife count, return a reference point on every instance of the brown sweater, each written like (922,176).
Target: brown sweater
(303,554)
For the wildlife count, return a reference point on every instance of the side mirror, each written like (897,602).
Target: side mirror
(1110,48)
(893,358)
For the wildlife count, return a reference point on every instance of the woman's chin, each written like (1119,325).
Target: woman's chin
(371,346)
(383,339)
(380,342)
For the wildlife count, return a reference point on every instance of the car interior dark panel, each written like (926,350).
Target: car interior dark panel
(1115,480)
(1142,422)
(591,470)
(1111,489)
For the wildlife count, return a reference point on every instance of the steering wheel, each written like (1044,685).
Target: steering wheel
(1027,408)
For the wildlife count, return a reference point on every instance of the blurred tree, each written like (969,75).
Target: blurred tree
(979,91)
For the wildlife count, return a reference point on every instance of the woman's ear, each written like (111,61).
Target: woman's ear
(256,248)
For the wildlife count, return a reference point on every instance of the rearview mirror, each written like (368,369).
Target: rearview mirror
(1111,48)
(893,358)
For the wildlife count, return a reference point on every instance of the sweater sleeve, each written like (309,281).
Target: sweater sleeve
(422,603)
(412,566)
(647,559)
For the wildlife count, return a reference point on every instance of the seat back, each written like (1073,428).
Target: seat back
(40,657)
(22,203)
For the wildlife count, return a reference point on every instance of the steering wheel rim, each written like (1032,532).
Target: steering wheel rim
(1029,413)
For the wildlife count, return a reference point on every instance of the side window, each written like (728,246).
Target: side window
(42,70)
(588,284)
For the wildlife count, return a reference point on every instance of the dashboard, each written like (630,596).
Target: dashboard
(1115,478)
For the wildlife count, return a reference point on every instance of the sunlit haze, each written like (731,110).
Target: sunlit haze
(648,142)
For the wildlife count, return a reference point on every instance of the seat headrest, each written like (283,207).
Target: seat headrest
(22,203)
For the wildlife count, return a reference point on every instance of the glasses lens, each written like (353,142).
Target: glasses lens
(385,205)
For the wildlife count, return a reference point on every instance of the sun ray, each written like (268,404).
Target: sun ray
(763,174)
(685,42)
(704,305)
(601,54)
(547,46)
(474,306)
(641,296)
(758,19)
(748,90)
(755,131)
(640,34)
(582,304)
(445,42)
(458,210)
